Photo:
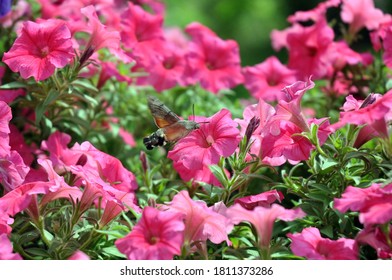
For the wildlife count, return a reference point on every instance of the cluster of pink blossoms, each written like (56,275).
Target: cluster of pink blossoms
(97,177)
(166,58)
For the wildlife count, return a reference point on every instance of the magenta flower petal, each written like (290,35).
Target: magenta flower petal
(40,49)
(267,79)
(263,219)
(264,199)
(219,136)
(213,62)
(311,245)
(157,236)
(374,203)
(201,222)
(6,249)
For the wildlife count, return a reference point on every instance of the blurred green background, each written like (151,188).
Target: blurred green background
(249,22)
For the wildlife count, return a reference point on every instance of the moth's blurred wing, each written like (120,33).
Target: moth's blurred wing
(178,130)
(163,116)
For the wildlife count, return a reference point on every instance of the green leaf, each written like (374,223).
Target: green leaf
(13,85)
(38,252)
(86,85)
(42,106)
(113,251)
(320,196)
(328,231)
(389,84)
(327,166)
(219,174)
(48,235)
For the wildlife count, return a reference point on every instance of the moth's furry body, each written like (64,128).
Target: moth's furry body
(171,127)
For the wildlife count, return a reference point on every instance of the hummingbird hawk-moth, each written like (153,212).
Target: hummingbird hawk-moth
(171,127)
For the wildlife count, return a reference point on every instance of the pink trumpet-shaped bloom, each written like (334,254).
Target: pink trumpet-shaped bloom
(40,49)
(6,249)
(218,136)
(79,256)
(158,235)
(213,62)
(141,34)
(263,219)
(201,222)
(5,221)
(167,69)
(309,49)
(263,111)
(264,199)
(374,203)
(361,13)
(387,44)
(267,79)
(311,245)
(101,37)
(5,117)
(373,112)
(282,140)
(379,239)
(315,14)
(13,170)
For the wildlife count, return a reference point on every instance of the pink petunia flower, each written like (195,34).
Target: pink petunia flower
(264,199)
(217,137)
(101,37)
(315,14)
(309,48)
(372,112)
(281,137)
(79,256)
(13,170)
(8,95)
(17,143)
(311,245)
(267,79)
(40,49)
(377,238)
(213,62)
(374,203)
(361,13)
(5,117)
(22,197)
(263,219)
(6,249)
(387,45)
(157,236)
(5,221)
(201,222)
(263,111)
(101,176)
(167,69)
(141,34)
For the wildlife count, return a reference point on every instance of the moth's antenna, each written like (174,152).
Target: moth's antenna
(193,110)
